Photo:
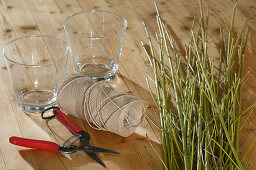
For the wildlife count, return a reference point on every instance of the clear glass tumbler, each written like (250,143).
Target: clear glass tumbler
(96,39)
(36,65)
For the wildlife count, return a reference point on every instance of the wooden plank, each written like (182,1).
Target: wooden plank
(10,158)
(23,24)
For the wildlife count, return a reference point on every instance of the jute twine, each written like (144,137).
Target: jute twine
(100,105)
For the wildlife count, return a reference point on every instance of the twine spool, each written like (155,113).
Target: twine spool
(102,106)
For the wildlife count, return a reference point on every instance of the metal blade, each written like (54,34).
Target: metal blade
(72,140)
(95,157)
(102,150)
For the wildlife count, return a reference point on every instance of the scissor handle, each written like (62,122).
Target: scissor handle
(34,144)
(66,121)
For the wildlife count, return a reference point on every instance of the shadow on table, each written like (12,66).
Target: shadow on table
(132,149)
(39,159)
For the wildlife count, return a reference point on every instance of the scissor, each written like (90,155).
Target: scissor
(78,133)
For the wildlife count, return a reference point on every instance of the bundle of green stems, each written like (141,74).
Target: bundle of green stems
(199,101)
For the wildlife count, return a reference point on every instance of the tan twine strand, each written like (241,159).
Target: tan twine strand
(123,107)
(100,105)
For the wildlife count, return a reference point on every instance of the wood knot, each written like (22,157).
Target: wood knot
(123,141)
(4,68)
(140,139)
(9,7)
(44,61)
(29,27)
(8,30)
(217,30)
(186,28)
(68,5)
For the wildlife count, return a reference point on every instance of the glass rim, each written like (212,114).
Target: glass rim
(95,37)
(37,36)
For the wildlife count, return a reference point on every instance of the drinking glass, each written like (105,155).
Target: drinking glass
(36,65)
(96,39)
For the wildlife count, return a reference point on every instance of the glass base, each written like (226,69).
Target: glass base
(35,101)
(106,78)
(35,109)
(99,71)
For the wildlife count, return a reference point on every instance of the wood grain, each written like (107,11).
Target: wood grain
(26,17)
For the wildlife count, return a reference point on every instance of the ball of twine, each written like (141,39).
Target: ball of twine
(100,105)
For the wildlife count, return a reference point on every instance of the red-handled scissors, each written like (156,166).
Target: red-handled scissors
(83,136)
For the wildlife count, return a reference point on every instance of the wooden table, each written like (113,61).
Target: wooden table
(26,17)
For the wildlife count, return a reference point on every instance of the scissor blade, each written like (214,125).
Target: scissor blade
(102,150)
(95,157)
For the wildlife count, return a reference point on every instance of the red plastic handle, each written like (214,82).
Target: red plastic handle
(66,121)
(35,144)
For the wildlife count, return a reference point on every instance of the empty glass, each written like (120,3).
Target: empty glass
(96,39)
(36,65)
